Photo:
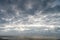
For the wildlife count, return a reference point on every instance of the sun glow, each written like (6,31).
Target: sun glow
(21,27)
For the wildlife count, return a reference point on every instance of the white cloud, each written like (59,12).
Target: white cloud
(37,20)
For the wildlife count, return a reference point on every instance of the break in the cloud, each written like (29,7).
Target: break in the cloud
(27,16)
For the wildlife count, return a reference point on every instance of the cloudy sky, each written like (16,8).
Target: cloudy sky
(40,17)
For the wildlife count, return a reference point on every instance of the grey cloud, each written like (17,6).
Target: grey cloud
(14,12)
(2,29)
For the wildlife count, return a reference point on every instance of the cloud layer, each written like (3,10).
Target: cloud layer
(29,16)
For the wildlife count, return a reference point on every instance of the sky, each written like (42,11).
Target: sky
(38,17)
